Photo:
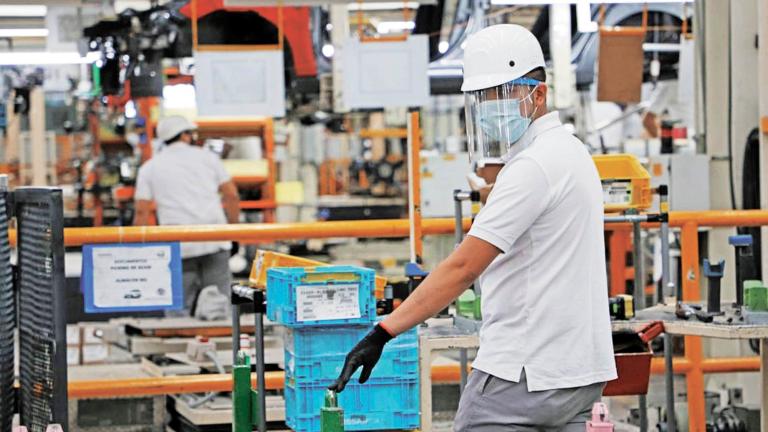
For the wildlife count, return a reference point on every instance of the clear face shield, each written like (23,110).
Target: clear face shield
(497,117)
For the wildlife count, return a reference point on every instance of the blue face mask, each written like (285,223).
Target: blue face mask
(501,120)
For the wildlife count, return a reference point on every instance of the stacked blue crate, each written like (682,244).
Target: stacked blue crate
(379,404)
(287,306)
(315,353)
(318,353)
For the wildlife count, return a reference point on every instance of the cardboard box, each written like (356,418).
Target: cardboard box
(95,353)
(73,335)
(92,334)
(620,66)
(73,355)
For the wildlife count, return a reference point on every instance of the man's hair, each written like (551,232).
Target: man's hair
(538,74)
(176,138)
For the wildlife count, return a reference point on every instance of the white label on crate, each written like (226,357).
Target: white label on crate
(617,192)
(138,276)
(327,302)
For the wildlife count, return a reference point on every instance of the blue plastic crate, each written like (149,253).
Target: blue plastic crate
(321,296)
(323,341)
(379,404)
(394,362)
(319,352)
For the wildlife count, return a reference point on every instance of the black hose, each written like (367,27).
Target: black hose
(732,187)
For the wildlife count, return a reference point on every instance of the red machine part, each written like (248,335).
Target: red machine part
(297,32)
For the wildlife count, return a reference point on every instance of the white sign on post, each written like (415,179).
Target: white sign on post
(240,83)
(132,277)
(386,74)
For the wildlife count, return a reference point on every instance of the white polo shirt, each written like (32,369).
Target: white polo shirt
(545,298)
(183,181)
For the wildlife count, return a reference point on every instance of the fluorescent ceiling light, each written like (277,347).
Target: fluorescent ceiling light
(550,2)
(328,50)
(23,32)
(445,72)
(17,10)
(394,26)
(46,58)
(383,6)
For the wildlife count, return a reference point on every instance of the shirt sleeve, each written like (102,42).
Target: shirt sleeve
(221,174)
(143,189)
(518,198)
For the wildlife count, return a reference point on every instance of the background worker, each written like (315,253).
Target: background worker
(483,177)
(537,246)
(189,186)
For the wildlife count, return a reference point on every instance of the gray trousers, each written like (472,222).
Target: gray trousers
(491,404)
(200,272)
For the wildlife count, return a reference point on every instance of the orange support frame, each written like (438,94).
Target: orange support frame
(146,107)
(237,127)
(619,245)
(275,380)
(694,365)
(689,250)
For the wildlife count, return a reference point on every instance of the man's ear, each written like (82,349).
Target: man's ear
(540,95)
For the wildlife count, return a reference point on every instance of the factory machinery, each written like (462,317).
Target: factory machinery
(313,347)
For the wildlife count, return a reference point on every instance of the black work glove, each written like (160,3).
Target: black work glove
(366,354)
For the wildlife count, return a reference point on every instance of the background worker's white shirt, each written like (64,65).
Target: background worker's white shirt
(545,299)
(183,181)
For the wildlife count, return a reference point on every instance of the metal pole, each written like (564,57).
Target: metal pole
(459,236)
(463,361)
(458,217)
(669,381)
(667,288)
(639,299)
(260,382)
(666,285)
(637,260)
(235,332)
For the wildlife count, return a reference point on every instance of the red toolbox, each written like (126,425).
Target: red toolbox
(633,355)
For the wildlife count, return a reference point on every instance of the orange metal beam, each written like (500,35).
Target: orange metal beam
(371,228)
(718,218)
(250,232)
(384,133)
(441,374)
(162,385)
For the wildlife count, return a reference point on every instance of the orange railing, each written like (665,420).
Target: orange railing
(693,364)
(441,374)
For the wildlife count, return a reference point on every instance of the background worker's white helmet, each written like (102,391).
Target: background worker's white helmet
(496,60)
(169,127)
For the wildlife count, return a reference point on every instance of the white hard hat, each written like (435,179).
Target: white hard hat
(171,126)
(498,54)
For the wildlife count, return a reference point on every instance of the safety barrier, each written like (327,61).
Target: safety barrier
(693,365)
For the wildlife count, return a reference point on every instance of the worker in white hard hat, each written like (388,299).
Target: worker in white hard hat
(188,185)
(537,247)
